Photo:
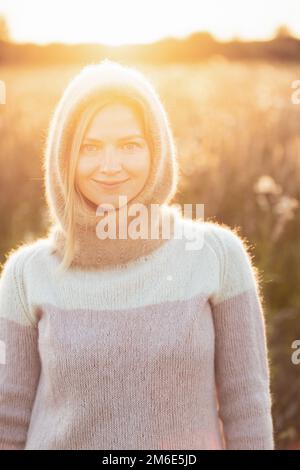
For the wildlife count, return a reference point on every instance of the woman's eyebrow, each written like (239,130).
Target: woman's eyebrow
(126,137)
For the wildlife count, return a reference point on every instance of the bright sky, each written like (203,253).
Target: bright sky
(140,21)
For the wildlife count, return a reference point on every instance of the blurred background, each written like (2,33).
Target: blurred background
(228,73)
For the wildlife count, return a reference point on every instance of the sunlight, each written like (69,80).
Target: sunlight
(118,22)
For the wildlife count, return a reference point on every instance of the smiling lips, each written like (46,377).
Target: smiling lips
(110,184)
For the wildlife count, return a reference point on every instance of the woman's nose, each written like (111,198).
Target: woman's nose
(110,161)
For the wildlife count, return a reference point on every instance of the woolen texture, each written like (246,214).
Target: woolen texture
(167,351)
(90,85)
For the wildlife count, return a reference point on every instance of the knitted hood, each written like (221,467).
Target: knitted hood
(107,78)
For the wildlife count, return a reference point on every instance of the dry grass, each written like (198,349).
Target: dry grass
(234,124)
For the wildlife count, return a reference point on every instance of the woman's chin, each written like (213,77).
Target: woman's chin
(113,203)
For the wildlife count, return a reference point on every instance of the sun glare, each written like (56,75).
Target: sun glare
(120,22)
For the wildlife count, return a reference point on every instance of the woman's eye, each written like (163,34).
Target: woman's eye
(90,147)
(130,145)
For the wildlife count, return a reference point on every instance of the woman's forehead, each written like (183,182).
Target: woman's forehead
(115,120)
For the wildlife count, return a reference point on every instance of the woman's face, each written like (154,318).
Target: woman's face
(114,149)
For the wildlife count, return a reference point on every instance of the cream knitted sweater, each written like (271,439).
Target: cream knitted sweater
(166,352)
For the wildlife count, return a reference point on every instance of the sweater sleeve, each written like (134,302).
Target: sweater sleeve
(241,356)
(19,358)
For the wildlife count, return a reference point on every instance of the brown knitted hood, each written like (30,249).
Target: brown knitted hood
(107,78)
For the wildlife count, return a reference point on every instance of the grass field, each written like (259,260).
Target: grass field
(238,141)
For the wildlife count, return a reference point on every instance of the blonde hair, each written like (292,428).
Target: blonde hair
(72,202)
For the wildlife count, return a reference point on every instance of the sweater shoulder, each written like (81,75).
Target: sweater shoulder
(237,270)
(13,302)
(208,239)
(218,239)
(224,239)
(19,257)
(25,249)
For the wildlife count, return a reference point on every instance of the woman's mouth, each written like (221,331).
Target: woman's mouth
(110,184)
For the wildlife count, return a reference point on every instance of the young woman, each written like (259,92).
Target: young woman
(128,342)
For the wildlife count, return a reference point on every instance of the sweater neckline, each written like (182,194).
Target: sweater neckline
(140,262)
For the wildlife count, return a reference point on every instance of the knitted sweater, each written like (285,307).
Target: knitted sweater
(166,352)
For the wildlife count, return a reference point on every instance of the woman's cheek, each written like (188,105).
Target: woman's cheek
(85,166)
(140,165)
